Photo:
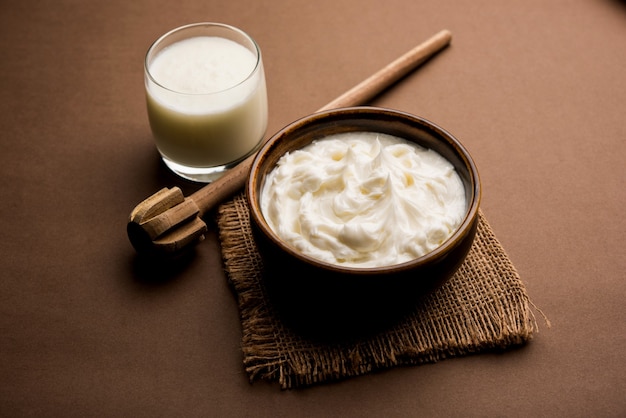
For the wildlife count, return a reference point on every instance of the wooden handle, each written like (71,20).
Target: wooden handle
(234,180)
(379,81)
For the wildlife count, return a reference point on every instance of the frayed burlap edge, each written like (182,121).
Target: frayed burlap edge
(484,306)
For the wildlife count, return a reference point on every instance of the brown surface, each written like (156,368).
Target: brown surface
(536,91)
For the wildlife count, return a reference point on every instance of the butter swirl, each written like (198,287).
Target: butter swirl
(363,199)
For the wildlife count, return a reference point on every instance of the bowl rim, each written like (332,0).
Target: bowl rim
(257,217)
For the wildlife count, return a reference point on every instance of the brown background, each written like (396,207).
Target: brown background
(536,90)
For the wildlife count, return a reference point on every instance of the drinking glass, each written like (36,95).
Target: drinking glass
(206,98)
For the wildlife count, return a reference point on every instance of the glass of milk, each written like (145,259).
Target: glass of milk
(206,98)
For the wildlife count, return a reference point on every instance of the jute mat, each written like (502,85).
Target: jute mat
(484,306)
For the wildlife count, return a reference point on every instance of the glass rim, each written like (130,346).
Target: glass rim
(178,29)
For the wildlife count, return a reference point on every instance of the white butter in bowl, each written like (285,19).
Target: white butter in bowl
(363,199)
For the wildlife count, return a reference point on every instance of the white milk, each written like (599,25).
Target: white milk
(207,101)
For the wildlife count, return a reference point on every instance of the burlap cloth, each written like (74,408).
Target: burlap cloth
(484,306)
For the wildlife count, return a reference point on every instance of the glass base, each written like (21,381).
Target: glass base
(199,174)
(205,174)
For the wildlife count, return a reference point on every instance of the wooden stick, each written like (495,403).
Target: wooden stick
(385,77)
(167,222)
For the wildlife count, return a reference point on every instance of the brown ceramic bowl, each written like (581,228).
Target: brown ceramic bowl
(313,287)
